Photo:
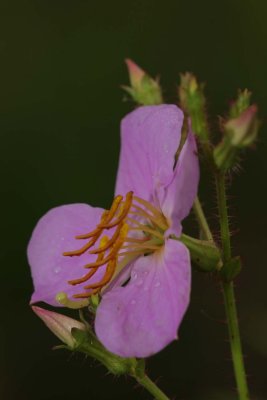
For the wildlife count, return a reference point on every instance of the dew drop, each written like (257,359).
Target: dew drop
(166,149)
(140,282)
(134,276)
(57,270)
(133,302)
(157,284)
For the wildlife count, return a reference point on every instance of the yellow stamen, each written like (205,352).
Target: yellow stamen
(121,214)
(143,228)
(106,278)
(109,242)
(148,205)
(124,211)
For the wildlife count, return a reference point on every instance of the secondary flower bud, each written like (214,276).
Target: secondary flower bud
(60,325)
(192,99)
(144,90)
(239,133)
(243,130)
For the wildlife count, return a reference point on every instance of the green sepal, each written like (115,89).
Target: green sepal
(147,92)
(231,269)
(241,104)
(87,343)
(205,255)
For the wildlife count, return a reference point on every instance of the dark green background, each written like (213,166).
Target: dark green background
(61,66)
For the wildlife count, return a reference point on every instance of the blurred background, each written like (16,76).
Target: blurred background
(62,64)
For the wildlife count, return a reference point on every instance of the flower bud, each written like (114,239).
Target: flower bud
(240,132)
(144,90)
(60,325)
(193,102)
(243,130)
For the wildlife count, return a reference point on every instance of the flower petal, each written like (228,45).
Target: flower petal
(150,137)
(54,234)
(141,318)
(182,191)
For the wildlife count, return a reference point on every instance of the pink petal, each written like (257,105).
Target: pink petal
(150,137)
(54,234)
(141,318)
(182,191)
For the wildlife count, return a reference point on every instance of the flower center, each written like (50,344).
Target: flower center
(131,214)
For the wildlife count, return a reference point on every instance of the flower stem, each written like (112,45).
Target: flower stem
(224,223)
(202,220)
(234,335)
(228,293)
(150,386)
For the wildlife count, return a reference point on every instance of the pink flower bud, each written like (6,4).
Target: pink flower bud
(136,73)
(144,90)
(243,129)
(59,324)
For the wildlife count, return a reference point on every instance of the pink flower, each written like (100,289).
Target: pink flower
(142,274)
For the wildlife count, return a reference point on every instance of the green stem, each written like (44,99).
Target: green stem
(202,220)
(234,335)
(224,223)
(150,386)
(228,293)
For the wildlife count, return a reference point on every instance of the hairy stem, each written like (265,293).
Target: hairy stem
(228,293)
(150,386)
(234,335)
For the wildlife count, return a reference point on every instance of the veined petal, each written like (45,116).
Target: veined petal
(141,318)
(150,137)
(182,191)
(54,234)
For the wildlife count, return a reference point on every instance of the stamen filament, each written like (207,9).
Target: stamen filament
(95,231)
(123,213)
(109,243)
(157,221)
(136,240)
(144,228)
(106,278)
(85,295)
(84,248)
(148,205)
(137,252)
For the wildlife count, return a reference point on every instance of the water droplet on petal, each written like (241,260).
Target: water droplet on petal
(134,275)
(157,284)
(57,270)
(140,282)
(133,302)
(166,148)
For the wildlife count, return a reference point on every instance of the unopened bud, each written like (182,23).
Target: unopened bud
(243,130)
(240,104)
(239,132)
(144,90)
(193,102)
(60,325)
